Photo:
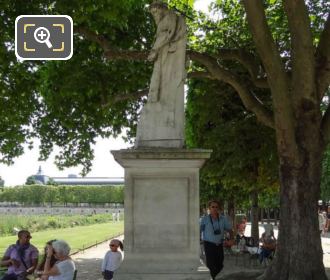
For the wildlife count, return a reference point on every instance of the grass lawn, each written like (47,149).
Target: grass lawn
(77,237)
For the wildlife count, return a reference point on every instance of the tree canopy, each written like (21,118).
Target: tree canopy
(244,156)
(70,103)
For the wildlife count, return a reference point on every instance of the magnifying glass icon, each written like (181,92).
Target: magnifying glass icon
(41,35)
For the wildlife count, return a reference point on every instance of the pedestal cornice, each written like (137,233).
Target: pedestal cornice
(162,153)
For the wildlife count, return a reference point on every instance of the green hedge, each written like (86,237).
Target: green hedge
(37,223)
(41,194)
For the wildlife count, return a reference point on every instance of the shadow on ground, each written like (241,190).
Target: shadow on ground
(88,269)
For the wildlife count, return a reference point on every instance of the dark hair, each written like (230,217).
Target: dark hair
(121,245)
(53,260)
(214,201)
(21,232)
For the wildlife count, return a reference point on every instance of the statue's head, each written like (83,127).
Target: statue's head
(158,9)
(158,4)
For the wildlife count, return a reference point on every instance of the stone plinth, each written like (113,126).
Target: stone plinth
(161,213)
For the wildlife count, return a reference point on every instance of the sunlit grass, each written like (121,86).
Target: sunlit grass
(78,237)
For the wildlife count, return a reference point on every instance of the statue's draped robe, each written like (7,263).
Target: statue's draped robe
(162,118)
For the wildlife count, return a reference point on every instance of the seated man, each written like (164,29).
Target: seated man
(268,243)
(21,258)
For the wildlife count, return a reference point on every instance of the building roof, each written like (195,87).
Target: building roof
(89,180)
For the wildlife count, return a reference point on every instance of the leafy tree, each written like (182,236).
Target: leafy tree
(243,163)
(70,103)
(2,182)
(41,194)
(286,51)
(30,180)
(325,179)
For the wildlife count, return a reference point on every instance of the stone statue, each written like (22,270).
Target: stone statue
(162,118)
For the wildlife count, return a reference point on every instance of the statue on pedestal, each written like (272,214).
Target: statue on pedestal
(162,118)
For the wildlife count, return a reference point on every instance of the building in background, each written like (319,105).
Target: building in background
(72,179)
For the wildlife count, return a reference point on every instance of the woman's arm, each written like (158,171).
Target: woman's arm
(52,272)
(6,261)
(47,269)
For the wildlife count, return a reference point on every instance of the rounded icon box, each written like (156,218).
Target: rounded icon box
(44,37)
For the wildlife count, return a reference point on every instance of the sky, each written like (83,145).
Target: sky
(104,164)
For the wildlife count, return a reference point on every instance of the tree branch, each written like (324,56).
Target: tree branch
(323,60)
(123,97)
(109,52)
(277,78)
(250,101)
(215,71)
(303,63)
(126,55)
(200,75)
(266,46)
(248,61)
(92,36)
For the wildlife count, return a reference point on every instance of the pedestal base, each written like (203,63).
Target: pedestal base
(200,273)
(161,214)
(164,276)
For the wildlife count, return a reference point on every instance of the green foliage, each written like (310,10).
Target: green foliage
(44,222)
(41,194)
(325,179)
(70,103)
(244,152)
(30,180)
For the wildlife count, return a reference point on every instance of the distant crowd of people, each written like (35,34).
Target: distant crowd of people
(22,260)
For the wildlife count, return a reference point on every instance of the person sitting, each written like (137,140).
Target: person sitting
(20,258)
(64,267)
(41,266)
(268,243)
(112,259)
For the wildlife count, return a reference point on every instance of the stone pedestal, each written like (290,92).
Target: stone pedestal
(161,214)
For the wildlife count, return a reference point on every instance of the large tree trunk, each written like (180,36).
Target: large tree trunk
(255,218)
(299,253)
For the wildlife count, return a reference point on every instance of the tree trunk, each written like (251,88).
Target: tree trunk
(299,253)
(231,212)
(255,218)
(276,216)
(268,215)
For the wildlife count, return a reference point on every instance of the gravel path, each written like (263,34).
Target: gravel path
(89,262)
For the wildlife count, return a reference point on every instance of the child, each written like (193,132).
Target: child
(112,259)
